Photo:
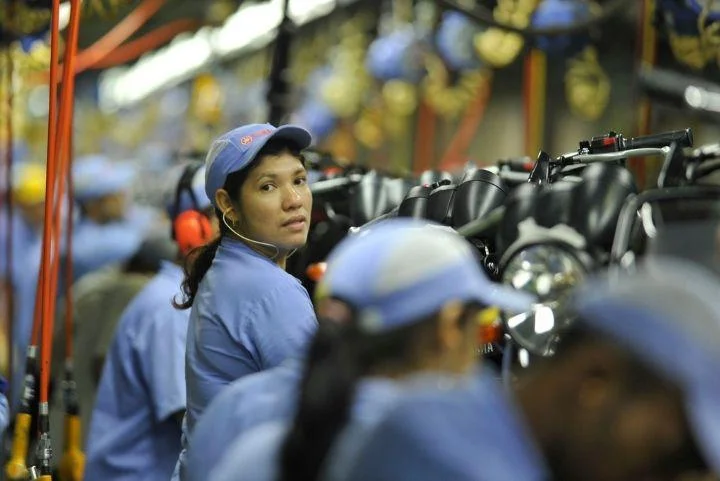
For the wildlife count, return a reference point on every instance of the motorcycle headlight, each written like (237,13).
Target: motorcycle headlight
(549,272)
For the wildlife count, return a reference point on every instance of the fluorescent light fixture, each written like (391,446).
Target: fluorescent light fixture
(251,26)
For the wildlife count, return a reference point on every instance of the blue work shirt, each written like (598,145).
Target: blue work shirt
(133,432)
(255,456)
(24,237)
(470,433)
(248,315)
(248,402)
(97,245)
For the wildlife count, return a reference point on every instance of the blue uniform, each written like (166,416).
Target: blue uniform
(249,315)
(470,433)
(133,434)
(254,456)
(248,402)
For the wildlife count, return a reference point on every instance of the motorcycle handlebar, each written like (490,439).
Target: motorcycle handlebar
(684,138)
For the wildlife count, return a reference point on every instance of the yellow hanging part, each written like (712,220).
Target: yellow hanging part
(16,468)
(72,464)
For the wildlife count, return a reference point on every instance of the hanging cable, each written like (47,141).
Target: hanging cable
(61,148)
(16,467)
(72,463)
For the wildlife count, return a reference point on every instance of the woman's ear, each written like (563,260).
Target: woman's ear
(225,205)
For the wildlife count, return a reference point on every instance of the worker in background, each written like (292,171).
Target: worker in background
(109,229)
(100,298)
(26,229)
(248,314)
(136,423)
(403,300)
(630,394)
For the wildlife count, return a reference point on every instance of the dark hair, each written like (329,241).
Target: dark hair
(339,356)
(199,260)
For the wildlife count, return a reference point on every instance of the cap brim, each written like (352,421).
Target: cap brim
(704,418)
(505,298)
(120,178)
(293,133)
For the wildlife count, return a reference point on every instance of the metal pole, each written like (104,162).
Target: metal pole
(278,81)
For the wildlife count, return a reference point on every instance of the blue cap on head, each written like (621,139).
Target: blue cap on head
(95,176)
(234,150)
(400,271)
(668,313)
(192,196)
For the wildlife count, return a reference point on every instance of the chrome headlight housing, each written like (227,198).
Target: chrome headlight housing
(548,269)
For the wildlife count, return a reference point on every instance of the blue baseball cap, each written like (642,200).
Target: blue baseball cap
(234,150)
(95,176)
(668,314)
(185,202)
(399,271)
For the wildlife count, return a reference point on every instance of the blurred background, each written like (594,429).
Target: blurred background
(398,85)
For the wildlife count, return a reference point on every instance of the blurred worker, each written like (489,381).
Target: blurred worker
(99,299)
(26,229)
(630,394)
(136,423)
(26,226)
(406,297)
(244,404)
(248,314)
(108,230)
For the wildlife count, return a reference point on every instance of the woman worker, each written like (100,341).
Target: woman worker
(136,422)
(404,299)
(248,314)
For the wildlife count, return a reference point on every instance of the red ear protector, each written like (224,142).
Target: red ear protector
(191,228)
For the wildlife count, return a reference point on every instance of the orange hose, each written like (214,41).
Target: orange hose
(459,145)
(135,48)
(69,245)
(117,35)
(425,139)
(52,258)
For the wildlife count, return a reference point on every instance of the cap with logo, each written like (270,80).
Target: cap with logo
(403,270)
(235,150)
(668,313)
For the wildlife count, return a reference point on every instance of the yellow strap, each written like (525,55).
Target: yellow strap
(16,467)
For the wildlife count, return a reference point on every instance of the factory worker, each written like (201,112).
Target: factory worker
(406,298)
(631,393)
(136,422)
(248,314)
(109,229)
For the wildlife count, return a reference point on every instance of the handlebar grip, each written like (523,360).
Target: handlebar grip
(684,138)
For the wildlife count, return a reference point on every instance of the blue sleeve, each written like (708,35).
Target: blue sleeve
(281,325)
(4,413)
(164,361)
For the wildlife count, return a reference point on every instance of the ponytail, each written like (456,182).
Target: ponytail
(327,392)
(196,266)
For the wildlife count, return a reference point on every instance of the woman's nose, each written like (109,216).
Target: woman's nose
(292,198)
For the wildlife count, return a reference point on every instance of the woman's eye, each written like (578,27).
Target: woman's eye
(267,187)
(301,181)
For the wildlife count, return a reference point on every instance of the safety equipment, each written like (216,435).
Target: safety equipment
(191,228)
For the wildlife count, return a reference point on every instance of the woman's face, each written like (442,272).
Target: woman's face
(276,202)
